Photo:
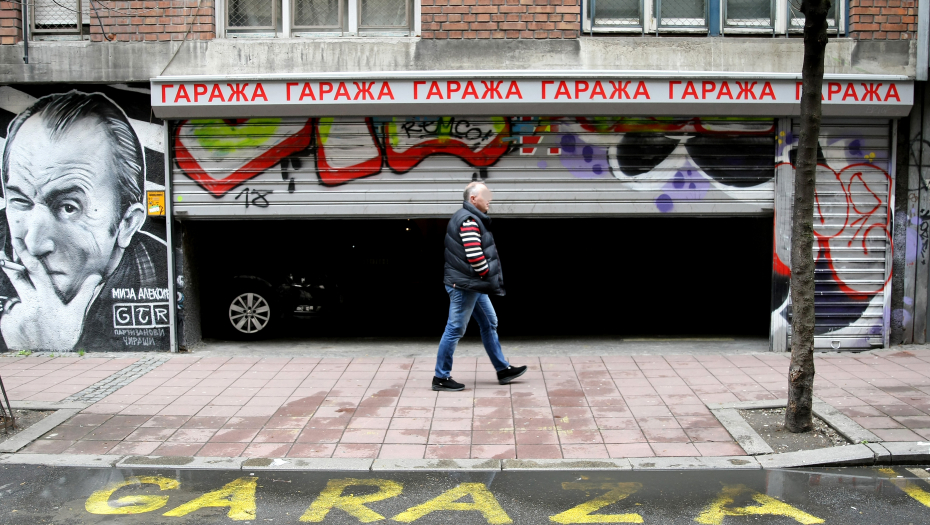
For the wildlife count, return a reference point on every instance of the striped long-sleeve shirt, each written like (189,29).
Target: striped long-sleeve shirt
(471,238)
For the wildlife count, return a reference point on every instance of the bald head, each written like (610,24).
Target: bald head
(478,195)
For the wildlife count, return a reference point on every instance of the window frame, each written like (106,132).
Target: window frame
(780,22)
(81,18)
(351,19)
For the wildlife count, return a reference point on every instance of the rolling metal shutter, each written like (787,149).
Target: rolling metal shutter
(418,166)
(852,233)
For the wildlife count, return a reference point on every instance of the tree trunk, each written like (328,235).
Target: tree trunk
(798,416)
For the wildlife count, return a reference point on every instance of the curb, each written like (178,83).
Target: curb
(872,454)
(63,412)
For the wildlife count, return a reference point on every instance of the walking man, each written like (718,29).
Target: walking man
(472,272)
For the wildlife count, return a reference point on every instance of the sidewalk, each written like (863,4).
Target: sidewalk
(564,407)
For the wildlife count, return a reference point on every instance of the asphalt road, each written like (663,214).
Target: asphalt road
(38,495)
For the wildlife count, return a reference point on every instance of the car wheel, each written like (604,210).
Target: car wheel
(249,314)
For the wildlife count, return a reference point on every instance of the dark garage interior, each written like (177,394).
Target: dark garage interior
(648,277)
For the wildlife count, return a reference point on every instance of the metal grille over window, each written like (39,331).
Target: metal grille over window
(59,16)
(615,14)
(319,14)
(252,14)
(682,14)
(796,17)
(384,14)
(758,14)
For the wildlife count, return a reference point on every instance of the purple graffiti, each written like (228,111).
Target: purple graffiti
(685,185)
(582,160)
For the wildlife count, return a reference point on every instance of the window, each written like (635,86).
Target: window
(714,17)
(309,18)
(66,19)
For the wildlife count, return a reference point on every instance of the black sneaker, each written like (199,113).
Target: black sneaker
(447,384)
(510,373)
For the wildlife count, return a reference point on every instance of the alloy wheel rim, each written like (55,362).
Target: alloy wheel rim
(249,313)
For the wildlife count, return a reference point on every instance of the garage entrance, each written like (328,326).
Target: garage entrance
(651,276)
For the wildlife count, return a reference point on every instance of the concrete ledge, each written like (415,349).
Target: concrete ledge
(36,431)
(882,456)
(749,439)
(750,405)
(675,463)
(908,452)
(62,460)
(835,456)
(731,462)
(436,464)
(187,462)
(847,428)
(350,464)
(47,405)
(567,464)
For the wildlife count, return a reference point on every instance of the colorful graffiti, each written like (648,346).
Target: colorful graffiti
(83,267)
(727,154)
(852,232)
(666,165)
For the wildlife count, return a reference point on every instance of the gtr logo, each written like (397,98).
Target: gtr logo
(140,315)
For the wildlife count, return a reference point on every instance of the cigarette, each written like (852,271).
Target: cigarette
(10,265)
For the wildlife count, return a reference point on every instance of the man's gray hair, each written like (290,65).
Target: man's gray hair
(61,111)
(472,189)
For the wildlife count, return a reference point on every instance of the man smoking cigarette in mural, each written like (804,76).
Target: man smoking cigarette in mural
(73,178)
(472,271)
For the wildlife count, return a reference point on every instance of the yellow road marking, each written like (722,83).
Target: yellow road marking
(238,495)
(99,501)
(332,498)
(909,487)
(483,502)
(719,508)
(582,513)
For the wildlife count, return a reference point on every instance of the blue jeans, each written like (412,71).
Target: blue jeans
(463,306)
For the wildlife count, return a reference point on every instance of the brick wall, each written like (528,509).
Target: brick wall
(11,22)
(152,20)
(883,19)
(500,18)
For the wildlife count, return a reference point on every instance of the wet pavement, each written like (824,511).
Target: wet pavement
(37,495)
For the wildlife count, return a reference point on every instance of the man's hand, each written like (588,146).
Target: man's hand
(41,321)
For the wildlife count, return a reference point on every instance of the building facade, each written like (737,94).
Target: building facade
(285,150)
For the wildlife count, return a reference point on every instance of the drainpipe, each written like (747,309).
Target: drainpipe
(25,32)
(923,38)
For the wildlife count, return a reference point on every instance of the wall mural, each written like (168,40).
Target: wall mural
(666,163)
(83,267)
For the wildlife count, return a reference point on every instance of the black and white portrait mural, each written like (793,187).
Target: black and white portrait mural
(83,265)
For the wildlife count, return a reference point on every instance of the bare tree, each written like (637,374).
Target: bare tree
(798,416)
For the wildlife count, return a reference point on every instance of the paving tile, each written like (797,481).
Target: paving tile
(266,450)
(616,423)
(177,449)
(708,434)
(363,435)
(708,421)
(493,437)
(629,450)
(246,422)
(873,423)
(166,421)
(539,452)
(623,436)
(666,435)
(401,451)
(277,435)
(48,446)
(406,436)
(584,451)
(536,437)
(674,449)
(449,437)
(192,435)
(381,423)
(103,433)
(234,435)
(312,450)
(447,451)
(896,434)
(493,452)
(136,448)
(357,450)
(717,449)
(320,435)
(452,424)
(580,436)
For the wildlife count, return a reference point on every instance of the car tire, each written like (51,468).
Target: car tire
(248,312)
